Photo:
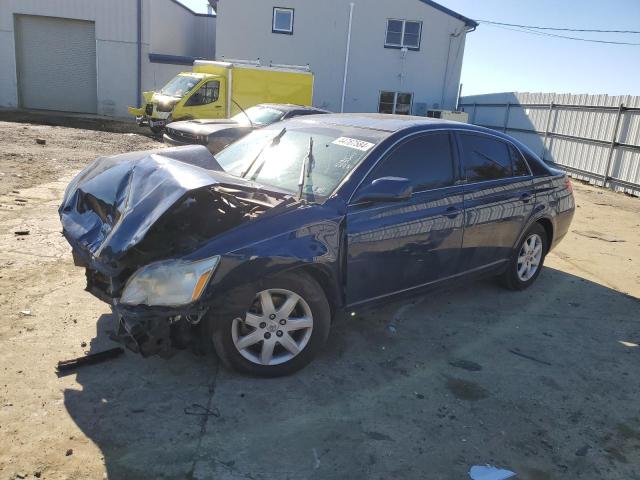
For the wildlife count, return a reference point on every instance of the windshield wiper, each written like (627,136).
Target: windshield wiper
(305,173)
(274,141)
(245,113)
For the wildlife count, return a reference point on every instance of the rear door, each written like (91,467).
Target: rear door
(396,246)
(498,198)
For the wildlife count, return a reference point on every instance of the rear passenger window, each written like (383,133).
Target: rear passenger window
(485,158)
(426,160)
(520,168)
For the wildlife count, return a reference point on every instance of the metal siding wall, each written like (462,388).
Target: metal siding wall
(56,60)
(575,116)
(115,45)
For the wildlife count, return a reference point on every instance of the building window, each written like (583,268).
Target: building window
(403,34)
(395,102)
(282,20)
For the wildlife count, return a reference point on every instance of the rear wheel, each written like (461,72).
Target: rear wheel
(281,331)
(526,264)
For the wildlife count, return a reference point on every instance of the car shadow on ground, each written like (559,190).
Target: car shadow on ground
(536,381)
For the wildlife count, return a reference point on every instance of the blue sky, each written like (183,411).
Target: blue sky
(499,60)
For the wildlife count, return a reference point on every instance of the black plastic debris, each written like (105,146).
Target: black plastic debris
(529,357)
(91,359)
(201,410)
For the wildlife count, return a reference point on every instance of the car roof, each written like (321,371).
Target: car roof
(287,107)
(385,122)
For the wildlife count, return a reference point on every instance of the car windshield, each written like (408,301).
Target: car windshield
(258,116)
(179,86)
(274,156)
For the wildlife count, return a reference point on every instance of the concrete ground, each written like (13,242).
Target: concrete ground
(543,382)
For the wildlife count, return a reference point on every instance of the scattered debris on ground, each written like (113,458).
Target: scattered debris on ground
(90,359)
(605,237)
(488,472)
(466,365)
(529,357)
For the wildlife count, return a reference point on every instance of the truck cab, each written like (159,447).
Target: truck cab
(215,90)
(187,96)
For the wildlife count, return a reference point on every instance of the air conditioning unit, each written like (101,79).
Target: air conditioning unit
(449,115)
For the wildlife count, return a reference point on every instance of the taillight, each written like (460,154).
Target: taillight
(568,184)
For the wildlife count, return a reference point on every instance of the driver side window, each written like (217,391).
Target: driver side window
(425,160)
(207,93)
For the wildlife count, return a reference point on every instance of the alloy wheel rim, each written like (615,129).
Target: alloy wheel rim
(275,329)
(529,257)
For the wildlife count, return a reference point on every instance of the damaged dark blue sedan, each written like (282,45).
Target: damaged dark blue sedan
(256,249)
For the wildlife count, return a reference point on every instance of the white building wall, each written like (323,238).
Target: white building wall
(422,72)
(175,31)
(319,39)
(165,25)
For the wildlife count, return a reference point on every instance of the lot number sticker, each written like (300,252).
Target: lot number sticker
(353,143)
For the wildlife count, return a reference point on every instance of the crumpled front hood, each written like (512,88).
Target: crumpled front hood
(110,206)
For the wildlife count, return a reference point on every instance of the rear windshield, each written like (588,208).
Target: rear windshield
(274,156)
(179,86)
(259,116)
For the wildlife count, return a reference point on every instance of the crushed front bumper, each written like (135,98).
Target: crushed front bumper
(155,330)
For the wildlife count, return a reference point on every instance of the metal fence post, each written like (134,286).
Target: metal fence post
(546,131)
(506,117)
(612,147)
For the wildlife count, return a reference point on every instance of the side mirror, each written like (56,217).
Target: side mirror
(385,189)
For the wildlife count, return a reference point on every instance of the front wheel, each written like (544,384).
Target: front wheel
(281,331)
(526,264)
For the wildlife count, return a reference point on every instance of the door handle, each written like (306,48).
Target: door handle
(525,197)
(452,212)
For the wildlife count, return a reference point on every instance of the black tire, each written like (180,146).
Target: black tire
(156,130)
(510,278)
(220,327)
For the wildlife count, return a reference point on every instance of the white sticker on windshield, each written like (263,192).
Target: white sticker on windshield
(353,143)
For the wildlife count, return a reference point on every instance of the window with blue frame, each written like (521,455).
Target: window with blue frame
(282,20)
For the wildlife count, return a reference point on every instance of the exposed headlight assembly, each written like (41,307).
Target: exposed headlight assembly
(169,282)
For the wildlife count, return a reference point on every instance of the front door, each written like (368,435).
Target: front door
(498,198)
(396,246)
(205,101)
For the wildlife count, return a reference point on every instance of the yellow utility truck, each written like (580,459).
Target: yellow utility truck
(221,89)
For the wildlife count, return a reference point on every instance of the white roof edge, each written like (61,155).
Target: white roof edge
(255,65)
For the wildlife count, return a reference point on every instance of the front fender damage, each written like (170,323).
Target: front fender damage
(124,212)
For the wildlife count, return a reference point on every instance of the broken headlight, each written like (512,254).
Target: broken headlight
(169,282)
